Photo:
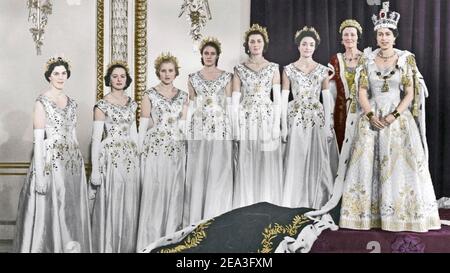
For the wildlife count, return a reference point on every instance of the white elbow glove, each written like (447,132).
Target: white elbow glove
(39,161)
(235,100)
(276,105)
(144,124)
(97,133)
(133,133)
(284,110)
(327,110)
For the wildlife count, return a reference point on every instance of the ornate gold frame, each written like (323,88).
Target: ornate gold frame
(140,52)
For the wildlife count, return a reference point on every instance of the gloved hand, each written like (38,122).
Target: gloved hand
(39,159)
(95,152)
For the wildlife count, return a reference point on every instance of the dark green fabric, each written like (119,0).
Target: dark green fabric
(241,230)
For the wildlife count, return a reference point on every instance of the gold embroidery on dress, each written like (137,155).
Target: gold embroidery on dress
(271,233)
(192,240)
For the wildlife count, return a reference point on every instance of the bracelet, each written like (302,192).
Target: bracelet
(369,115)
(395,113)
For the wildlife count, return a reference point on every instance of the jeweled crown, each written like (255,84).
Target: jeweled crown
(309,29)
(386,18)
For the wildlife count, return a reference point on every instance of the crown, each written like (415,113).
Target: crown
(259,29)
(166,57)
(121,63)
(211,40)
(56,59)
(386,18)
(308,29)
(350,23)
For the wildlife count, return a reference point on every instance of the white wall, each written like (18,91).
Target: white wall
(71,30)
(167,32)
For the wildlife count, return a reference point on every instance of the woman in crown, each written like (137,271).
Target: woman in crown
(308,177)
(115,166)
(162,138)
(384,173)
(343,66)
(53,214)
(209,172)
(256,124)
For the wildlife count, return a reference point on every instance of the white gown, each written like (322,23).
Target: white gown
(59,220)
(116,206)
(258,173)
(209,171)
(308,176)
(163,163)
(387,183)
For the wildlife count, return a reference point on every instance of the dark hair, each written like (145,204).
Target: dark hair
(109,72)
(306,33)
(211,44)
(52,66)
(177,71)
(394,31)
(247,49)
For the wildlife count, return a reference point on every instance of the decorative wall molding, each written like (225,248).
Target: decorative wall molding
(119,30)
(140,52)
(100,47)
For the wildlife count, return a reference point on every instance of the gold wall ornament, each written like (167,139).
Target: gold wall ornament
(197,13)
(100,47)
(140,53)
(38,12)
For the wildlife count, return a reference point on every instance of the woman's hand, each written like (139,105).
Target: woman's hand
(388,119)
(376,122)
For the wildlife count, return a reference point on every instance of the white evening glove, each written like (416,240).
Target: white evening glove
(284,110)
(144,124)
(276,106)
(327,111)
(97,133)
(39,159)
(235,100)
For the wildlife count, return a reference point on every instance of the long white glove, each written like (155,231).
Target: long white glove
(284,110)
(97,133)
(39,159)
(74,136)
(276,105)
(327,110)
(235,100)
(144,124)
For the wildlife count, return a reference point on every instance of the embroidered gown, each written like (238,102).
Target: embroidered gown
(308,176)
(163,163)
(387,182)
(116,206)
(59,220)
(258,175)
(209,171)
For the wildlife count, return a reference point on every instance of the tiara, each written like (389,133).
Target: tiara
(166,57)
(121,63)
(386,18)
(350,23)
(259,29)
(308,29)
(211,40)
(56,59)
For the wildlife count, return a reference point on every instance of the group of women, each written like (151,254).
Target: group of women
(225,144)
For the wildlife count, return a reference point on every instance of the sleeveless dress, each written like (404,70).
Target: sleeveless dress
(59,220)
(116,206)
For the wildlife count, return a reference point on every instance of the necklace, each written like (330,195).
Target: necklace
(385,87)
(251,61)
(385,58)
(347,59)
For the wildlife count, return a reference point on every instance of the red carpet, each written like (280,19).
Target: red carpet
(377,240)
